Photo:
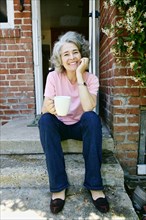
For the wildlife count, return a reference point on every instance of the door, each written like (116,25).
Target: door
(52,18)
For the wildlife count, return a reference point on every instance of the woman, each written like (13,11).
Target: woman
(70,78)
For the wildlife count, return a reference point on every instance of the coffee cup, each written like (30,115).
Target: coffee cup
(62,104)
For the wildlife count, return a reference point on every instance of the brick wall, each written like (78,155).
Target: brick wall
(16,66)
(120,99)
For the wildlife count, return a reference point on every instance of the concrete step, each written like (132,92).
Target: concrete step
(18,138)
(25,190)
(30,170)
(24,181)
(33,204)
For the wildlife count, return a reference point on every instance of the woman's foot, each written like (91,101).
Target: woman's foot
(97,194)
(57,202)
(59,195)
(100,201)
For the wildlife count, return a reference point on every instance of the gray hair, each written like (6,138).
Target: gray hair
(69,37)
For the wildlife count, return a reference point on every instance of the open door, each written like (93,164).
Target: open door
(79,15)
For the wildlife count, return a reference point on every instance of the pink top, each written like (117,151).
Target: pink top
(58,84)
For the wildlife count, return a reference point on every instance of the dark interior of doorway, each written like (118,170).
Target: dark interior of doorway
(58,17)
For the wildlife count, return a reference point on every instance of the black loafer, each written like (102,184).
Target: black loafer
(56,205)
(101,204)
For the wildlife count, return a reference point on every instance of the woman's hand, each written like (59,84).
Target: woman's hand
(84,62)
(48,106)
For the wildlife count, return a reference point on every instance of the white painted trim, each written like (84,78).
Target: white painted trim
(141,169)
(94,41)
(10,15)
(90,35)
(37,54)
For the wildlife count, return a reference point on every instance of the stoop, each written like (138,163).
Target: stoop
(24,181)
(18,138)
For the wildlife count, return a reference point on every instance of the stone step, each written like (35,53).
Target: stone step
(25,190)
(18,138)
(30,170)
(33,204)
(24,181)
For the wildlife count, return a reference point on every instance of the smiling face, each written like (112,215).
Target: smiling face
(70,57)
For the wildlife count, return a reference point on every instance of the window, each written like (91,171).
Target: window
(6,14)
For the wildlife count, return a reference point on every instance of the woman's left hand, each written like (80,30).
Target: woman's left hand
(83,65)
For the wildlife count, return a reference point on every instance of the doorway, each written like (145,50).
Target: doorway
(58,17)
(50,19)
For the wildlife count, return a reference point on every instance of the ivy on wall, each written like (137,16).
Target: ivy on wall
(129,30)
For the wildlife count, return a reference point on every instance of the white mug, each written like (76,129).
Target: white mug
(62,104)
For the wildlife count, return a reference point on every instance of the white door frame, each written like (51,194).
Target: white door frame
(37,54)
(37,47)
(94,6)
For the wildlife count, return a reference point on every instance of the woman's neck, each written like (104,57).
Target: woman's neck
(71,77)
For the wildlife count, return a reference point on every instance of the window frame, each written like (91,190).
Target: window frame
(10,15)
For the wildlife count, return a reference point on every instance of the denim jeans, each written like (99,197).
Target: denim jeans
(88,129)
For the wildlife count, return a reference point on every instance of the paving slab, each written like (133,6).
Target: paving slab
(30,170)
(18,138)
(33,204)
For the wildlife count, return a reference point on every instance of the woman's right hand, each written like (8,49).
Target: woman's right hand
(48,106)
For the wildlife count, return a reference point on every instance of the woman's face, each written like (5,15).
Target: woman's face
(70,57)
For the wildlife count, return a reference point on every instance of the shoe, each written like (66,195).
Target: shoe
(101,204)
(56,205)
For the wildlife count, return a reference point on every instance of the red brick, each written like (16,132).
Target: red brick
(132,154)
(18,21)
(133,119)
(126,128)
(129,146)
(31,106)
(27,34)
(22,14)
(26,28)
(11,65)
(119,82)
(12,112)
(118,101)
(132,82)
(120,72)
(118,119)
(143,92)
(126,91)
(24,65)
(12,59)
(27,21)
(133,137)
(2,66)
(4,60)
(123,111)
(137,101)
(11,77)
(14,100)
(17,71)
(4,83)
(119,138)
(4,71)
(17,83)
(31,111)
(2,77)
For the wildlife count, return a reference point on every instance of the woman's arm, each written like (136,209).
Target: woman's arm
(48,106)
(88,100)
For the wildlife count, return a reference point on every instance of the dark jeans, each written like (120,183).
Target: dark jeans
(88,129)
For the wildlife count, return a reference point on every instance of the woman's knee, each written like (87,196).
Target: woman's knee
(91,117)
(45,119)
